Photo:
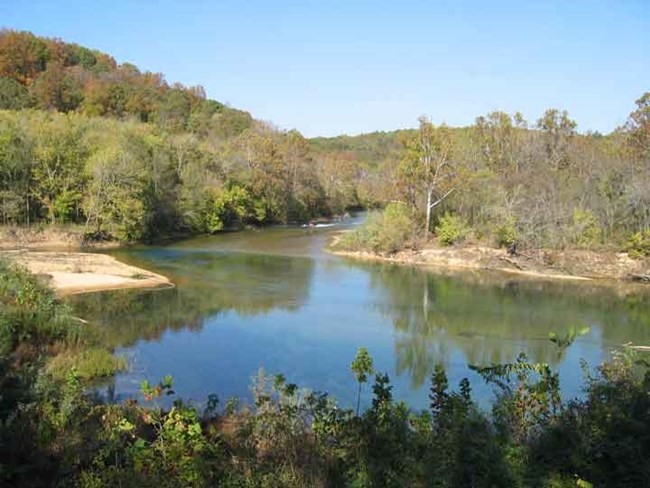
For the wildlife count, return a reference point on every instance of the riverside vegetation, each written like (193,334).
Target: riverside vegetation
(117,153)
(121,154)
(52,433)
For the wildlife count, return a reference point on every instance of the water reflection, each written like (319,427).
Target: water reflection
(490,318)
(295,310)
(207,285)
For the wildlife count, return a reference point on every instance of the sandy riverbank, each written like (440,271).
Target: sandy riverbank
(562,265)
(76,272)
(60,238)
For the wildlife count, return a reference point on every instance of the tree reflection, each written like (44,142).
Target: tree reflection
(490,318)
(208,284)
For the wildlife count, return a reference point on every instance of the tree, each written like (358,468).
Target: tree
(23,56)
(638,126)
(558,130)
(427,164)
(337,172)
(13,95)
(15,171)
(361,367)
(57,167)
(497,136)
(115,195)
(57,89)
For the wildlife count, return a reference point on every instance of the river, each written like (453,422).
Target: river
(274,299)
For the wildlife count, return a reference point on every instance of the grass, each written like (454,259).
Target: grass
(89,363)
(138,276)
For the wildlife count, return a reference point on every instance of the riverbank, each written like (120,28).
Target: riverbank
(77,272)
(576,265)
(49,237)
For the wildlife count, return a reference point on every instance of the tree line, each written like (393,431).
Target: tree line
(506,181)
(86,140)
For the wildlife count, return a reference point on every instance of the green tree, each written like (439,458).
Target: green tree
(13,95)
(57,168)
(361,367)
(428,166)
(638,126)
(558,131)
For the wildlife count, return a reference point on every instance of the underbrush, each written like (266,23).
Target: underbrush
(88,363)
(53,434)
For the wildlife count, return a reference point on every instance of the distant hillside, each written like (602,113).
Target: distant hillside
(121,154)
(51,74)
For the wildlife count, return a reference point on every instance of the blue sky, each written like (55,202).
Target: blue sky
(352,66)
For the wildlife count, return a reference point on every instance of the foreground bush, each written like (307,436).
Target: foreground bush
(52,434)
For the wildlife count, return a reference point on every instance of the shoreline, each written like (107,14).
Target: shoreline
(583,266)
(72,273)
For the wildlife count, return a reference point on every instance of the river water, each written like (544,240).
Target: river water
(274,299)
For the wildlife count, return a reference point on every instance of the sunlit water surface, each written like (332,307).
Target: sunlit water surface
(274,299)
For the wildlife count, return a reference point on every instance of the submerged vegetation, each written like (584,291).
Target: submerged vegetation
(53,433)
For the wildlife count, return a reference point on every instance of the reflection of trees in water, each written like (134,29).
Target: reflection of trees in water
(207,284)
(491,318)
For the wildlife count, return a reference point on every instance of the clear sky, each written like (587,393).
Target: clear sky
(350,66)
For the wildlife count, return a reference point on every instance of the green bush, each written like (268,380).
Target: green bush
(54,433)
(638,245)
(585,230)
(383,232)
(88,363)
(506,234)
(452,229)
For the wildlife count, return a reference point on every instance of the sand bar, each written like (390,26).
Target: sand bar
(77,272)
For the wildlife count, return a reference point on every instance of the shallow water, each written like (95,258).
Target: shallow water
(273,298)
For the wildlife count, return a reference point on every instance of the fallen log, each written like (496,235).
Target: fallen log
(642,278)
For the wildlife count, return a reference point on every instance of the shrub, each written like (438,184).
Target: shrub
(383,232)
(638,245)
(88,363)
(506,234)
(452,230)
(585,230)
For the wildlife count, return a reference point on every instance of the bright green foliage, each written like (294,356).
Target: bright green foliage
(507,234)
(452,230)
(638,245)
(384,232)
(88,364)
(585,232)
(230,208)
(54,434)
(361,367)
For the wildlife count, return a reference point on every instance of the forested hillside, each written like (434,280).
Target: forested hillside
(126,155)
(505,180)
(89,141)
